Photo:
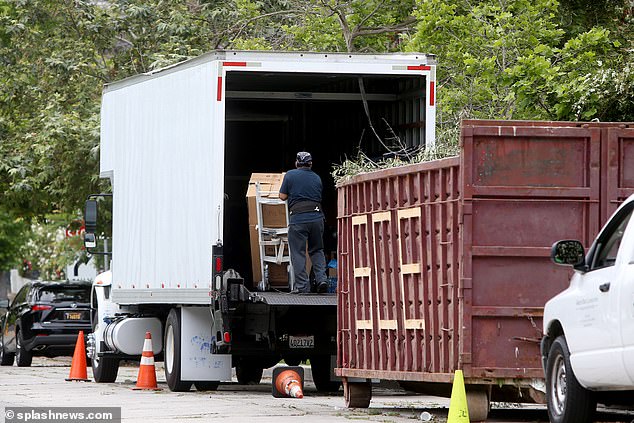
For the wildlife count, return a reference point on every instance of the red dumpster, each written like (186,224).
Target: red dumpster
(445,265)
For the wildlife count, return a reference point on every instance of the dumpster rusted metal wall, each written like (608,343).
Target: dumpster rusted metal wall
(398,259)
(523,189)
(619,166)
(445,265)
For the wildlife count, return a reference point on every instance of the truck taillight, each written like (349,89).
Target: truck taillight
(216,257)
(227,337)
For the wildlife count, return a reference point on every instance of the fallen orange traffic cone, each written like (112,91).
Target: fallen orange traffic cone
(78,365)
(146,378)
(288,382)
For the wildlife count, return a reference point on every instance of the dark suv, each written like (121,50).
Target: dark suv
(44,319)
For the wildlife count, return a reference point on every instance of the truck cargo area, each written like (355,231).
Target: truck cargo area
(271,116)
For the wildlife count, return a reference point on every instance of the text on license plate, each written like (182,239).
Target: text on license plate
(301,342)
(73,315)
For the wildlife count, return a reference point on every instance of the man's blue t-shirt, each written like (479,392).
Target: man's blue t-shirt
(302,184)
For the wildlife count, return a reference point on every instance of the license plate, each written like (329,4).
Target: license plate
(73,315)
(301,342)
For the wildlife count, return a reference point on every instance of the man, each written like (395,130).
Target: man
(302,188)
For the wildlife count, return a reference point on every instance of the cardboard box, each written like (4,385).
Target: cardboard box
(273,216)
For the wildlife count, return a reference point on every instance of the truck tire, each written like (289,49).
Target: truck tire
(248,373)
(292,361)
(320,368)
(357,394)
(104,369)
(568,401)
(23,358)
(172,352)
(206,386)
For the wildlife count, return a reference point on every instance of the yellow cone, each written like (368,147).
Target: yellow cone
(458,410)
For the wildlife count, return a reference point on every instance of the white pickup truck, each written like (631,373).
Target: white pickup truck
(588,344)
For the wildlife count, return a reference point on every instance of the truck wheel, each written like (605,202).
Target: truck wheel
(292,361)
(357,394)
(320,368)
(104,369)
(568,401)
(172,352)
(22,357)
(248,373)
(206,386)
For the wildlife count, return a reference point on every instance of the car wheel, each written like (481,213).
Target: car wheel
(172,353)
(6,358)
(320,368)
(568,401)
(22,356)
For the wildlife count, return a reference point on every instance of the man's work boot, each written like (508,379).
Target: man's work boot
(322,287)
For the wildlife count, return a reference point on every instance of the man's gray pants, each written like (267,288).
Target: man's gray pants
(299,234)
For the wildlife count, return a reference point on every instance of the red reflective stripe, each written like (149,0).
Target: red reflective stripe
(419,68)
(147,354)
(234,63)
(219,98)
(431,93)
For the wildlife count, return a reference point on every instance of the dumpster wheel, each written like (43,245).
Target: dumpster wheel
(357,394)
(478,404)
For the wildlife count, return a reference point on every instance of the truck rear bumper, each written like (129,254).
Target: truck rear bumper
(283,298)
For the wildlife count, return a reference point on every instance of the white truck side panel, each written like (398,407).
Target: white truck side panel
(158,147)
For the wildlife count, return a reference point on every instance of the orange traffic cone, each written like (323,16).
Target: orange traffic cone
(146,378)
(78,365)
(287,382)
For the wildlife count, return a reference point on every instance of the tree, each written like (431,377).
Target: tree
(12,237)
(510,59)
(357,25)
(54,59)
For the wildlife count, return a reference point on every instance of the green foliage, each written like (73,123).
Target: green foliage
(363,164)
(505,59)
(511,60)
(49,250)
(12,237)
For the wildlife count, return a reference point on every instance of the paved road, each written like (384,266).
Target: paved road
(43,385)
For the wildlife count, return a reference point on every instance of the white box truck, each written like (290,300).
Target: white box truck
(178,146)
